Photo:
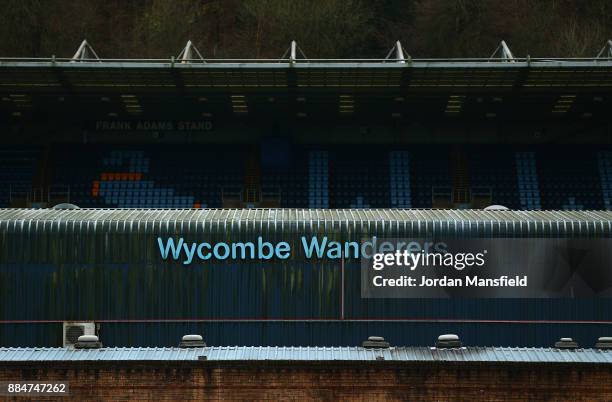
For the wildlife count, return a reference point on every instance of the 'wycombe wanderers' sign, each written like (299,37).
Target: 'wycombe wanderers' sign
(426,268)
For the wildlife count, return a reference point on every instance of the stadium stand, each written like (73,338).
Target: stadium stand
(360,178)
(326,177)
(17,168)
(533,177)
(318,180)
(498,172)
(569,180)
(375,133)
(152,178)
(287,183)
(399,179)
(377,141)
(605,172)
(529,194)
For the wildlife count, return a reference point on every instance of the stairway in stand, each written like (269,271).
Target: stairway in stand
(460,177)
(252,181)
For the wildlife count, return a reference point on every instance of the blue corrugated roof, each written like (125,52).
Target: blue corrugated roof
(253,353)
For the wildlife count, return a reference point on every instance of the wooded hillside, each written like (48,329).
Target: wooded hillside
(322,28)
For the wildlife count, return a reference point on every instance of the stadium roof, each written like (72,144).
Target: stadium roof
(271,353)
(393,87)
(458,75)
(416,221)
(309,214)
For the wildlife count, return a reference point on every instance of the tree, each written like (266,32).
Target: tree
(323,28)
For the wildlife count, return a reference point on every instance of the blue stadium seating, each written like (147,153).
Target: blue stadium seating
(359,177)
(17,167)
(318,179)
(570,178)
(604,160)
(399,179)
(356,176)
(430,168)
(496,171)
(528,190)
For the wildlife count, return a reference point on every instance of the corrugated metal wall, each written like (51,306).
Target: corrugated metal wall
(105,265)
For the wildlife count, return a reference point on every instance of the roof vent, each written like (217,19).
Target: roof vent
(66,205)
(192,341)
(88,342)
(604,342)
(566,343)
(448,341)
(375,342)
(496,208)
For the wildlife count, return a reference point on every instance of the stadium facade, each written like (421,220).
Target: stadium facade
(106,266)
(225,150)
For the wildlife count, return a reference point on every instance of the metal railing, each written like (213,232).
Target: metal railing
(403,62)
(452,196)
(39,195)
(238,193)
(397,54)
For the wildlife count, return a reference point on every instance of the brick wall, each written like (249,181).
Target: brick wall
(360,381)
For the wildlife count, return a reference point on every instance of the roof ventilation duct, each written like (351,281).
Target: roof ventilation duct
(375,342)
(604,342)
(66,205)
(496,208)
(448,341)
(566,343)
(88,342)
(192,341)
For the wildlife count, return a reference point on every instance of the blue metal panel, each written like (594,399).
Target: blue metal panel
(103,265)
